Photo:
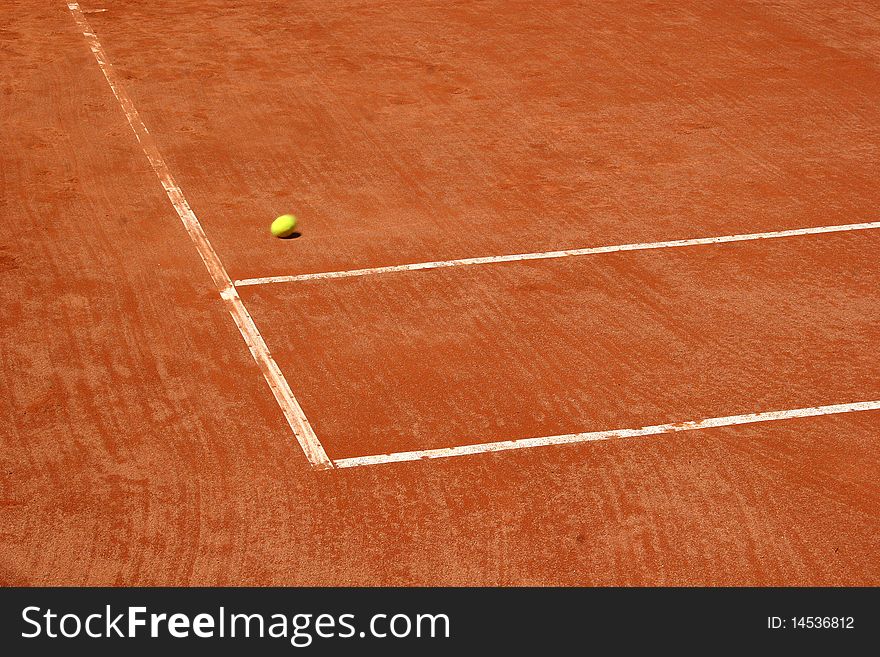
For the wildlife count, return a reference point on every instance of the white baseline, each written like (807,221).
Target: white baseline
(293,413)
(547,255)
(591,436)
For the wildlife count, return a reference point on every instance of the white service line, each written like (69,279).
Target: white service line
(300,426)
(567,439)
(546,255)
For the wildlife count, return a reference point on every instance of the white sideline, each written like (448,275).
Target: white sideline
(568,439)
(546,255)
(300,426)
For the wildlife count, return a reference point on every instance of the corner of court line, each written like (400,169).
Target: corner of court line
(293,413)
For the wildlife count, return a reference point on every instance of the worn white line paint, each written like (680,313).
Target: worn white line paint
(303,431)
(546,255)
(567,439)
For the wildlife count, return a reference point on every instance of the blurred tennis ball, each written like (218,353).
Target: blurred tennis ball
(284,226)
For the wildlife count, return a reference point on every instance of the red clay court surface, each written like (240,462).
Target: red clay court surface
(448,377)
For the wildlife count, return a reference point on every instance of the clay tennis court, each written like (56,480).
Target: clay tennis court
(586,293)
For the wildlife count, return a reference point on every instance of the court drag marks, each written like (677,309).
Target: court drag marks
(144,447)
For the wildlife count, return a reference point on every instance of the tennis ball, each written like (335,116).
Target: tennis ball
(284,226)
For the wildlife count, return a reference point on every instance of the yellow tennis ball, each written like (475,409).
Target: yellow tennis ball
(284,226)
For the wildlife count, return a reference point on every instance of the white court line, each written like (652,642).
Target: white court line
(300,426)
(546,255)
(568,439)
